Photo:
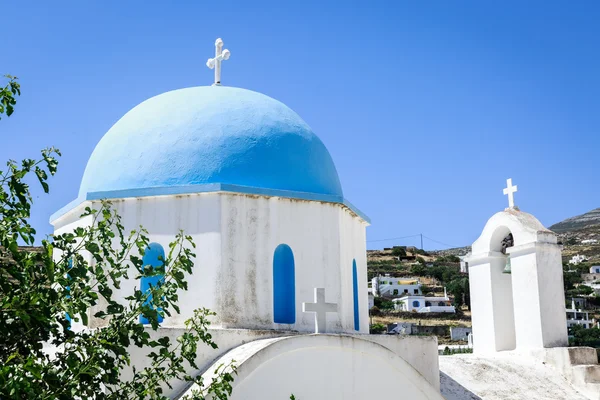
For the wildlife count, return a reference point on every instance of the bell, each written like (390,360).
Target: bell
(507,266)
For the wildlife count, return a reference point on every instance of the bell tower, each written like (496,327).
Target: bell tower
(516,283)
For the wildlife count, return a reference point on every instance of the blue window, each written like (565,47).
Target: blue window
(355,290)
(155,257)
(415,303)
(284,285)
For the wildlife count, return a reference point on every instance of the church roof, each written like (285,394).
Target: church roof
(211,138)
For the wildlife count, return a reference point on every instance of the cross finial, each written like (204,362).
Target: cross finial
(215,63)
(510,191)
(320,308)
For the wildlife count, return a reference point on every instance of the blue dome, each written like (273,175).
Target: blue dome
(207,135)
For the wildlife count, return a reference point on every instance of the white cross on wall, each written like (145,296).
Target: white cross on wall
(510,191)
(320,308)
(215,63)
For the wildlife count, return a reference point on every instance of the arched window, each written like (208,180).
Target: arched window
(355,291)
(427,304)
(284,285)
(415,303)
(155,257)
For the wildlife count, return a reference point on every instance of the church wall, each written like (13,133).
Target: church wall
(252,228)
(420,352)
(353,247)
(236,235)
(321,367)
(163,216)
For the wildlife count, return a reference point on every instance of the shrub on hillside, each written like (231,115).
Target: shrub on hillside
(377,328)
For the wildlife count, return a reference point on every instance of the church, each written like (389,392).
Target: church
(281,260)
(281,253)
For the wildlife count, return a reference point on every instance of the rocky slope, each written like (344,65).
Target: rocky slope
(578,233)
(582,222)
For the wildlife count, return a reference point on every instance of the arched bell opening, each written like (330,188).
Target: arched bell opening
(501,241)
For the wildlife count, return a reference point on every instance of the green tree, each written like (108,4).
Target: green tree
(459,288)
(585,337)
(42,292)
(383,304)
(8,96)
(418,269)
(399,251)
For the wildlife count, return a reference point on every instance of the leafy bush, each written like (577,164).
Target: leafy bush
(399,251)
(584,337)
(383,304)
(377,328)
(461,350)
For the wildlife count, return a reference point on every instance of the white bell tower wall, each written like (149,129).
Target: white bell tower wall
(492,310)
(524,309)
(540,319)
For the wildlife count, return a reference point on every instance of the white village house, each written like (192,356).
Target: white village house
(578,259)
(577,316)
(281,253)
(464,264)
(389,286)
(424,304)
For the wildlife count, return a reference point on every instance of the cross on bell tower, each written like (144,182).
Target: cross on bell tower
(510,190)
(215,63)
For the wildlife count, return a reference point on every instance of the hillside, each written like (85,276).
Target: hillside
(572,232)
(587,221)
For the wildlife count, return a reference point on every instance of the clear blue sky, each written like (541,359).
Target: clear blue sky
(426,107)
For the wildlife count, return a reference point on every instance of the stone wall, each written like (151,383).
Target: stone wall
(460,333)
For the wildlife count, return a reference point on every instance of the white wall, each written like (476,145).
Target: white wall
(324,238)
(235,237)
(492,310)
(321,367)
(538,292)
(420,352)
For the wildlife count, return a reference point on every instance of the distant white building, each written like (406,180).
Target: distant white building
(577,259)
(577,316)
(388,286)
(595,269)
(424,304)
(589,241)
(464,264)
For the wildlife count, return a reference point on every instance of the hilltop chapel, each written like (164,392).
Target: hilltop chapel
(281,259)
